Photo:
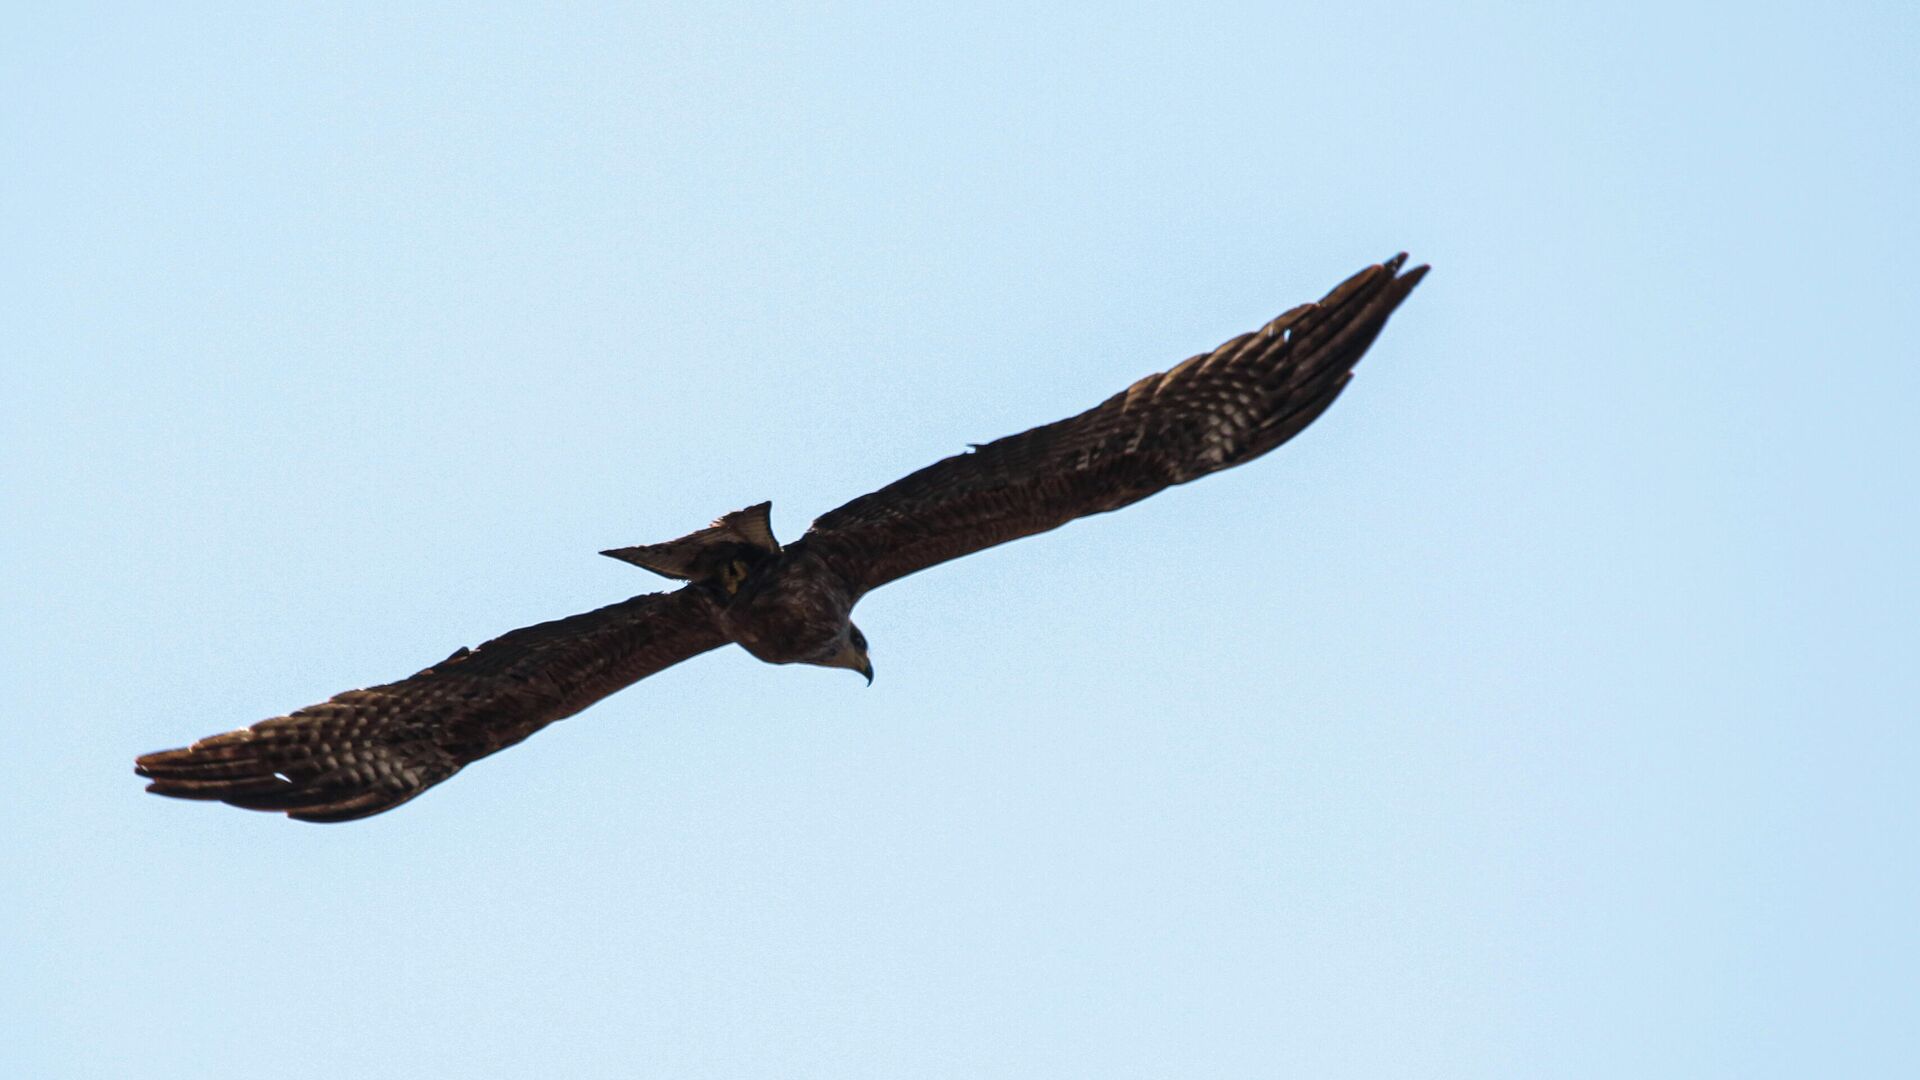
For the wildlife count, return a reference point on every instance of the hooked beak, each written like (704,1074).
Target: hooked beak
(866,668)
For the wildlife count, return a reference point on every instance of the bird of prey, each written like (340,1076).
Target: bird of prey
(367,751)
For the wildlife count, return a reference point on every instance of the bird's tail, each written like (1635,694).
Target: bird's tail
(744,536)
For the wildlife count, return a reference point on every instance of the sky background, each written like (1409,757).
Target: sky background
(1546,710)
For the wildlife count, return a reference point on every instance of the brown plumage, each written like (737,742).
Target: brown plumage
(1212,412)
(370,750)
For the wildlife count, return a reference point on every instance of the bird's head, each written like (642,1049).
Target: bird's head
(850,652)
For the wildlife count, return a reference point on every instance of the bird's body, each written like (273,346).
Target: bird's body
(792,609)
(365,751)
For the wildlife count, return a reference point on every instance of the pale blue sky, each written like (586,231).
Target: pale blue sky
(1547,710)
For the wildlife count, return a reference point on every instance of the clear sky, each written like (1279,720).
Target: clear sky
(1546,710)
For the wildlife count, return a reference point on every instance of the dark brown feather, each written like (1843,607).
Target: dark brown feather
(1214,411)
(370,750)
(746,535)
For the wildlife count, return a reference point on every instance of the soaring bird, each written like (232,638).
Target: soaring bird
(368,751)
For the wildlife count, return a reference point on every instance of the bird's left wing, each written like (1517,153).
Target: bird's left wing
(1212,412)
(370,750)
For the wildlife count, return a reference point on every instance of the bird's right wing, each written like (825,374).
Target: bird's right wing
(370,750)
(1212,412)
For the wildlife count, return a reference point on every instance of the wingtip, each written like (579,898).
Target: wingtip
(158,761)
(1396,267)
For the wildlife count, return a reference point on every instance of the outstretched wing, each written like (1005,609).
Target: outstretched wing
(1212,412)
(370,750)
